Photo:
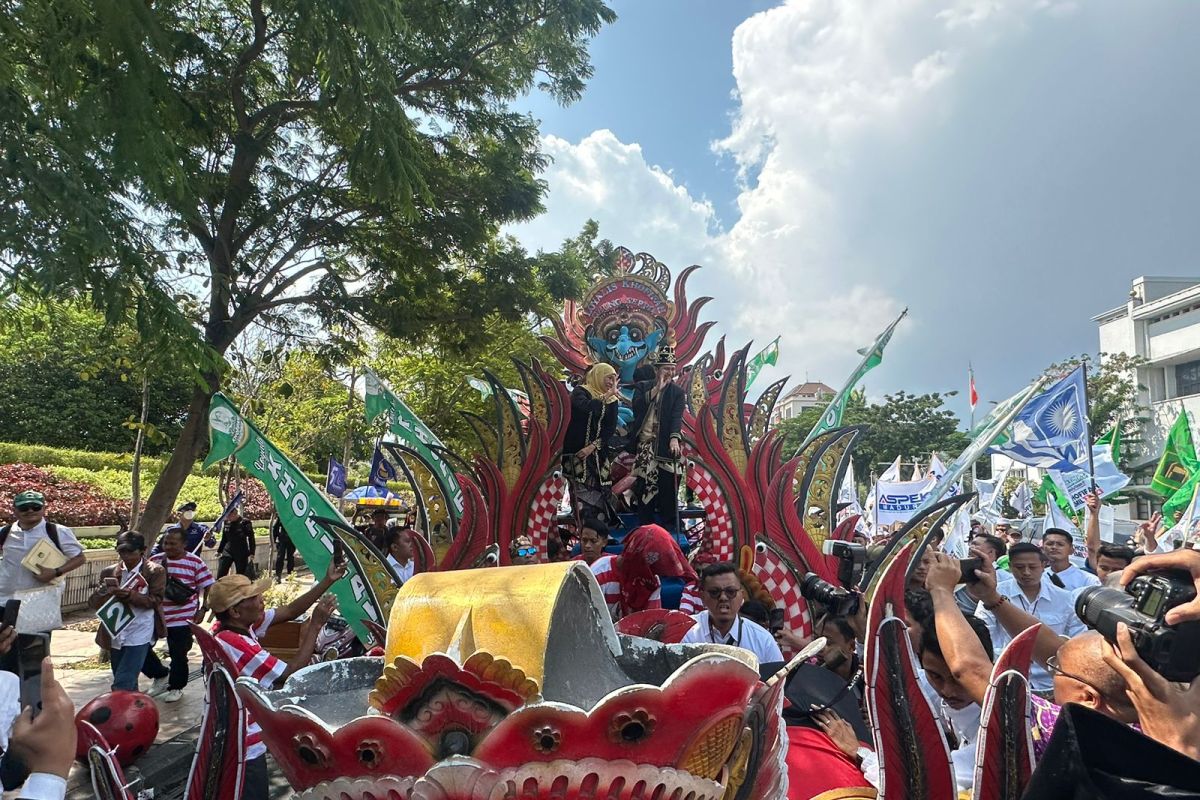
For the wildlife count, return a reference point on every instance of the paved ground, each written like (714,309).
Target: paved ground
(166,764)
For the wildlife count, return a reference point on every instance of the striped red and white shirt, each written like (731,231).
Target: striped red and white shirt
(605,570)
(252,661)
(192,571)
(691,602)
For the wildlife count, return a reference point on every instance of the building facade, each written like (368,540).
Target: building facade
(1160,322)
(811,394)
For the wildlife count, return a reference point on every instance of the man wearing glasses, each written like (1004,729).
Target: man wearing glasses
(18,538)
(721,590)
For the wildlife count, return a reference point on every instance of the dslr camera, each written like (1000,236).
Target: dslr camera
(1171,650)
(842,601)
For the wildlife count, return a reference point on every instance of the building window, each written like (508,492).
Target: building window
(1146,508)
(1187,379)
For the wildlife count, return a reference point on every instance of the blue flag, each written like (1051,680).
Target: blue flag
(1051,432)
(335,481)
(382,470)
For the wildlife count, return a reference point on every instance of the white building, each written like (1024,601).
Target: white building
(1161,323)
(811,394)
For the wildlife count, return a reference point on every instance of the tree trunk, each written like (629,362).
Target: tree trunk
(188,446)
(349,423)
(135,507)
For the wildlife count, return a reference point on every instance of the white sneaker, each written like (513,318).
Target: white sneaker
(173,696)
(159,686)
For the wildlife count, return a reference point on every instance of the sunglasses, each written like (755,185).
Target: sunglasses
(30,507)
(717,594)
(525,552)
(1054,669)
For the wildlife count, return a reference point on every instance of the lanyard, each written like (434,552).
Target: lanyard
(713,633)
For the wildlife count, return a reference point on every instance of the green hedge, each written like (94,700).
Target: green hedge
(43,456)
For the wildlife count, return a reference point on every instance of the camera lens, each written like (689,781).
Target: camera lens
(1102,608)
(839,601)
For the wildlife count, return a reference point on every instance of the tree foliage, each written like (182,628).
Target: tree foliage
(906,425)
(202,168)
(74,383)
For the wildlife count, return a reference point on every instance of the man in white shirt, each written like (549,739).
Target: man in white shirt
(400,553)
(1058,545)
(723,596)
(1032,591)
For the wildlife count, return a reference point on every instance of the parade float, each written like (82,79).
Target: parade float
(501,682)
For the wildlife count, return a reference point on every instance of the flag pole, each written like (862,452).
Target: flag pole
(1087,426)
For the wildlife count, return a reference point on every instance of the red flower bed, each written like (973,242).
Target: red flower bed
(256,503)
(68,502)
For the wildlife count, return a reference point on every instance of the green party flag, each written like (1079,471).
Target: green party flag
(297,502)
(768,355)
(1180,500)
(1178,461)
(1112,438)
(1048,493)
(413,432)
(872,357)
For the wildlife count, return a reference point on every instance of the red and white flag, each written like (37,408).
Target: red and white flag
(971,393)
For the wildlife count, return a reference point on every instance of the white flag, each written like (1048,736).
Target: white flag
(892,473)
(1022,500)
(848,493)
(1055,518)
(917,476)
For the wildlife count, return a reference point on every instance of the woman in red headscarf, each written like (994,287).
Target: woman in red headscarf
(631,581)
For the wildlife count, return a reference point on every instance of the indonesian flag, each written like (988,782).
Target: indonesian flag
(971,393)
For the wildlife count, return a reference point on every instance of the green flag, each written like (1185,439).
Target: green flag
(413,432)
(768,355)
(1178,461)
(1048,493)
(872,357)
(298,503)
(1112,438)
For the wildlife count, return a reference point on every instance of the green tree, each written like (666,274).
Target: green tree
(73,384)
(907,425)
(208,167)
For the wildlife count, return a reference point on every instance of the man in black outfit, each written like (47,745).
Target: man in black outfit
(285,550)
(237,544)
(656,440)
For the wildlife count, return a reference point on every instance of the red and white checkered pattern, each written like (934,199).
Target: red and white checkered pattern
(718,522)
(781,583)
(543,515)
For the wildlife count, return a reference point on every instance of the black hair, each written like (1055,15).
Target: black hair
(930,644)
(180,532)
(995,542)
(755,612)
(1119,552)
(919,604)
(131,539)
(597,525)
(554,546)
(842,624)
(1021,548)
(1058,532)
(393,536)
(643,373)
(716,569)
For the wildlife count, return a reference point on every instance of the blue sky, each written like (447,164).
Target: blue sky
(1002,169)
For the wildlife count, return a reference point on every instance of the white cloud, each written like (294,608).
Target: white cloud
(818,83)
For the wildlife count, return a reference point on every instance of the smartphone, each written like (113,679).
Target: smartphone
(969,565)
(339,552)
(12,609)
(775,620)
(110,583)
(31,650)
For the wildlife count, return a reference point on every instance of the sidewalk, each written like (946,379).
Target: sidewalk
(169,760)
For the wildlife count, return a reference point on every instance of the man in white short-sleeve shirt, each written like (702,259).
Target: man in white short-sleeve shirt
(721,590)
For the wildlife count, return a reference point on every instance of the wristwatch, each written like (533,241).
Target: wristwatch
(58,572)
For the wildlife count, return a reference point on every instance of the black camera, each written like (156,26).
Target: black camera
(839,601)
(1171,650)
(852,560)
(775,620)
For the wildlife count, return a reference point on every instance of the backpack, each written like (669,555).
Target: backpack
(51,531)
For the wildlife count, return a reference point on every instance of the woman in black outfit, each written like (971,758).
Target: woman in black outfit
(586,456)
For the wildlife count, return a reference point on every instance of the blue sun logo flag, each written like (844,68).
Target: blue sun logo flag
(1052,430)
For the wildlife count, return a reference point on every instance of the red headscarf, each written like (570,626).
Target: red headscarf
(650,553)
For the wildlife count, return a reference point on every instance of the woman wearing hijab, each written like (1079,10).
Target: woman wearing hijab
(586,455)
(631,581)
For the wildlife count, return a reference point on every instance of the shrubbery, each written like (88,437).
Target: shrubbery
(77,496)
(12,453)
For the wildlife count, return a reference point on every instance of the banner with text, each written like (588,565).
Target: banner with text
(298,503)
(898,501)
